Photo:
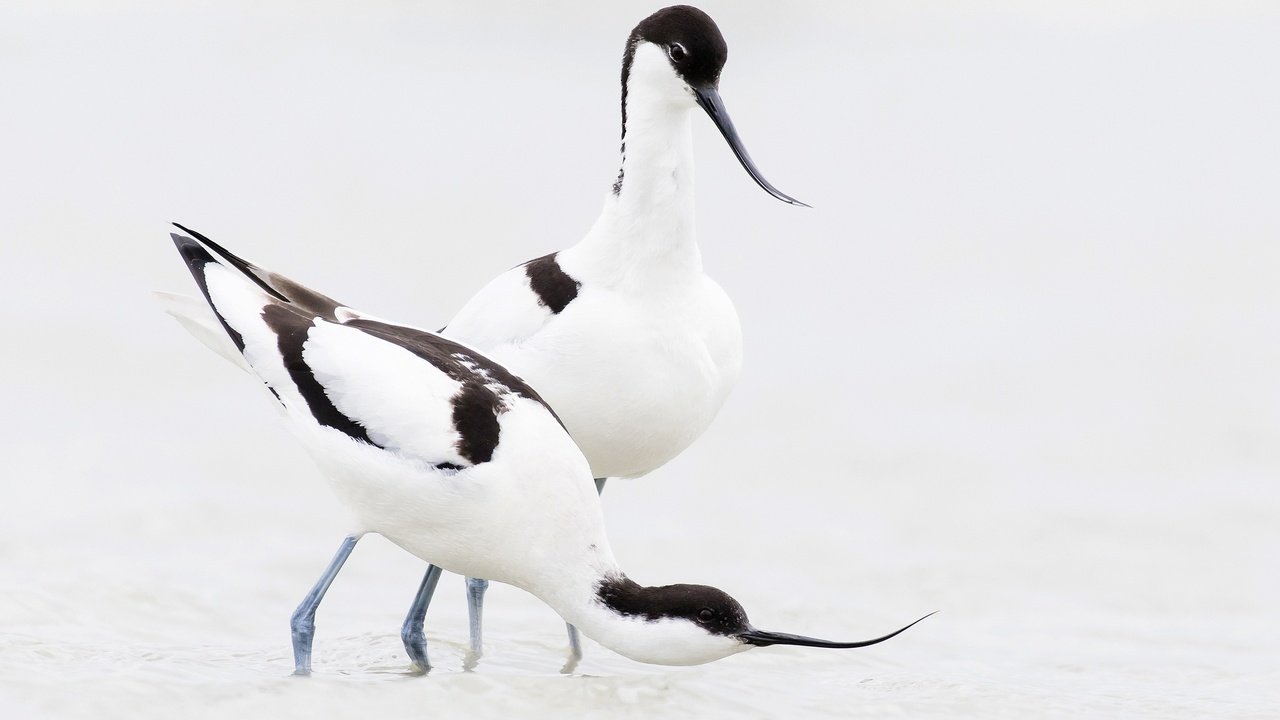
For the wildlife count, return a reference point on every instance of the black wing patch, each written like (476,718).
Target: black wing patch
(291,328)
(553,286)
(476,407)
(457,361)
(479,402)
(475,416)
(294,310)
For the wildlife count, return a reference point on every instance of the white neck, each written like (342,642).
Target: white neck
(574,595)
(647,226)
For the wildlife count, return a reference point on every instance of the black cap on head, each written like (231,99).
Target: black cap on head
(710,608)
(697,52)
(690,38)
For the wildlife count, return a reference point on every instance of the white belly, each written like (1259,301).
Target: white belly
(456,519)
(634,383)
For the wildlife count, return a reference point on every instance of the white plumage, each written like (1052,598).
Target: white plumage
(623,334)
(639,362)
(451,457)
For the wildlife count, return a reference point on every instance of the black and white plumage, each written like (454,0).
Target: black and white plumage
(456,460)
(313,334)
(623,333)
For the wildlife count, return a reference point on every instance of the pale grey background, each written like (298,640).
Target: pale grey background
(1019,363)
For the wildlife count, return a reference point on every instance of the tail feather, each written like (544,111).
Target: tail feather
(199,320)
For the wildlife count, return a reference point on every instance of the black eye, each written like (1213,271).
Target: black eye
(705,615)
(677,53)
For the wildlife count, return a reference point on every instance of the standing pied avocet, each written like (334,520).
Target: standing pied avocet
(623,334)
(450,456)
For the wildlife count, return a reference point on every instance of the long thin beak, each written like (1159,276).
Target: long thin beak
(763,638)
(709,99)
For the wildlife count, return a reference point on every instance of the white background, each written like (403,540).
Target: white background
(1018,363)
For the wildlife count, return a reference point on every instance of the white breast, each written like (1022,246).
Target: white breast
(642,354)
(635,378)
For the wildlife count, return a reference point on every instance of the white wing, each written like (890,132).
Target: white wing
(407,391)
(515,305)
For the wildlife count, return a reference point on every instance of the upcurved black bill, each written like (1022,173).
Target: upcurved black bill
(709,99)
(763,638)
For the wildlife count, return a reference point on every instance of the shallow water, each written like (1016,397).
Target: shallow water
(1060,612)
(1017,365)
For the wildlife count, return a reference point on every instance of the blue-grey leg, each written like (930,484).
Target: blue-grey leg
(303,622)
(475,613)
(411,632)
(575,643)
(415,640)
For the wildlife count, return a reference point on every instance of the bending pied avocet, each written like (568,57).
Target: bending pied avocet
(458,461)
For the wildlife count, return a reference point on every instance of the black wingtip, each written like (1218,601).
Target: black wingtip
(196,256)
(190,232)
(192,252)
(191,235)
(249,270)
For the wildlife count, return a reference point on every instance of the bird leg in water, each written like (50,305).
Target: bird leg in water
(411,632)
(303,622)
(415,640)
(575,643)
(475,614)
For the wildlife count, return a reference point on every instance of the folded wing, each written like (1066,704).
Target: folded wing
(399,388)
